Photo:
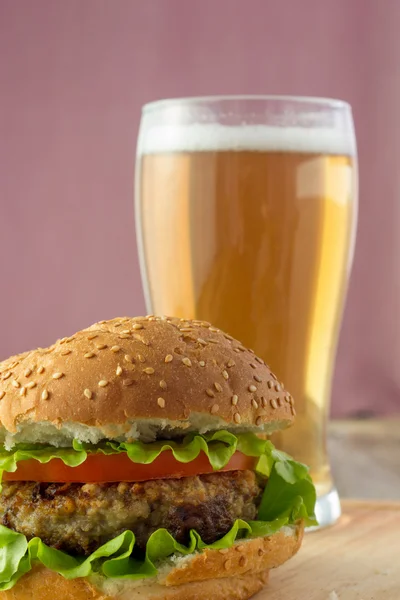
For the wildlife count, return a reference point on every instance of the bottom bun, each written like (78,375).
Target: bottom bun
(236,573)
(42,584)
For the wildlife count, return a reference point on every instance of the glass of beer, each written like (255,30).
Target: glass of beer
(246,213)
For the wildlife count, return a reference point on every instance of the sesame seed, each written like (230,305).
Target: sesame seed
(214,409)
(224,551)
(230,363)
(236,350)
(2,394)
(87,393)
(254,403)
(201,341)
(242,561)
(211,341)
(202,363)
(140,339)
(118,371)
(40,370)
(293,411)
(186,361)
(161,402)
(227,564)
(225,374)
(228,337)
(253,366)
(22,391)
(115,348)
(237,418)
(148,370)
(126,332)
(252,388)
(218,387)
(28,372)
(163,384)
(103,383)
(257,378)
(260,552)
(137,326)
(168,358)
(101,346)
(30,385)
(234,400)
(273,403)
(186,329)
(127,382)
(287,398)
(259,360)
(258,421)
(274,376)
(89,355)
(16,383)
(239,548)
(7,375)
(66,352)
(45,395)
(270,384)
(124,336)
(128,358)
(92,336)
(210,393)
(242,348)
(214,329)
(264,401)
(102,322)
(141,358)
(277,387)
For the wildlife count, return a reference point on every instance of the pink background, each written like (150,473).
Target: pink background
(73,76)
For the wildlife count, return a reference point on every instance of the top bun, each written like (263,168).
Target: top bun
(139,378)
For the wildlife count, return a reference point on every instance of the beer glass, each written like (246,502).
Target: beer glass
(246,213)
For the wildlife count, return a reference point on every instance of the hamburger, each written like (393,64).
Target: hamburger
(135,464)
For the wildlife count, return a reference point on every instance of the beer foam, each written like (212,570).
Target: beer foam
(204,137)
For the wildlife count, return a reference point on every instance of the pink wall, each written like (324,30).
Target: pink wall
(73,76)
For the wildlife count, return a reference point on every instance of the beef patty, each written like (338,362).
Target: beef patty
(78,518)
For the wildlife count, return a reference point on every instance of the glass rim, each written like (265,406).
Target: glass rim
(188,100)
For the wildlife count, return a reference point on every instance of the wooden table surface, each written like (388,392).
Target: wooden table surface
(356,559)
(365,458)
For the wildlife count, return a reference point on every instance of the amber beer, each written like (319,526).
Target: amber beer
(256,238)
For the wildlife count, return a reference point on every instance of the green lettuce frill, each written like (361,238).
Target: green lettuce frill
(289,495)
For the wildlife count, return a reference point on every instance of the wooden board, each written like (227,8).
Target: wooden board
(356,559)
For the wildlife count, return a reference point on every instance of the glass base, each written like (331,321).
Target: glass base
(327,510)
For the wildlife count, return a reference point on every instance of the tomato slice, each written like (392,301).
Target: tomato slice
(99,468)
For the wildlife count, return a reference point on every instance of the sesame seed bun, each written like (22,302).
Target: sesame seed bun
(139,378)
(236,573)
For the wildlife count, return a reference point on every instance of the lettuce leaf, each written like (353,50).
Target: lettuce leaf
(288,496)
(113,559)
(218,446)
